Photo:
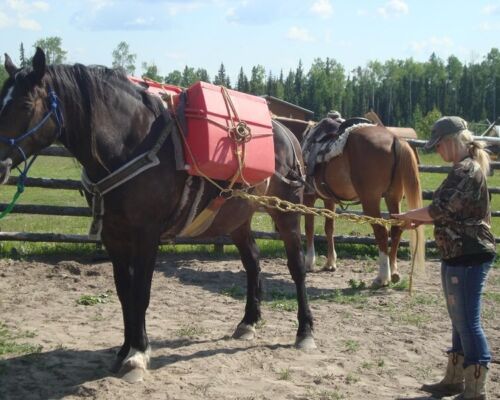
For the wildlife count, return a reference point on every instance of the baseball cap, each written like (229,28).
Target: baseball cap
(445,126)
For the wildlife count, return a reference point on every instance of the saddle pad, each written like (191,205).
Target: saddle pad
(321,147)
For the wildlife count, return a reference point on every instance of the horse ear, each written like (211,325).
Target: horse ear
(39,64)
(9,66)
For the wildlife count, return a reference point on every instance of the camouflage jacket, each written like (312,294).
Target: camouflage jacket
(461,212)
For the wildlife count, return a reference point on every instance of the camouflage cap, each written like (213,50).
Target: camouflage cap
(445,126)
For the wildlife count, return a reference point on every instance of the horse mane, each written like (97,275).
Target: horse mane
(94,80)
(89,90)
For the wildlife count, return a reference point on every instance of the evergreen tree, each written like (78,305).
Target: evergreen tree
(188,76)
(257,80)
(242,84)
(23,62)
(202,75)
(221,78)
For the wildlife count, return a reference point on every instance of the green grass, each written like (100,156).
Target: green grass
(92,300)
(9,344)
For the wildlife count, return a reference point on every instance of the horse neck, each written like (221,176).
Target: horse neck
(100,129)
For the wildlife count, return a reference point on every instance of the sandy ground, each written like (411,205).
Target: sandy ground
(371,344)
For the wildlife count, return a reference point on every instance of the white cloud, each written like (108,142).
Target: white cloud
(433,44)
(489,27)
(5,21)
(393,8)
(29,24)
(491,9)
(20,13)
(323,8)
(299,34)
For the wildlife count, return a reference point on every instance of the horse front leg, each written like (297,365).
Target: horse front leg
(331,255)
(289,227)
(249,254)
(310,261)
(133,284)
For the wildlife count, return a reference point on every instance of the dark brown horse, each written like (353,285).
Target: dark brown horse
(374,165)
(106,121)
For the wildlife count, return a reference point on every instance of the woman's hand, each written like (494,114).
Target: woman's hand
(409,223)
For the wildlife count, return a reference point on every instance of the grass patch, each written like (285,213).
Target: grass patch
(92,300)
(342,296)
(190,331)
(234,291)
(351,346)
(9,344)
(285,374)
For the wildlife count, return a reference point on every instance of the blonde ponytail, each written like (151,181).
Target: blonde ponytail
(476,150)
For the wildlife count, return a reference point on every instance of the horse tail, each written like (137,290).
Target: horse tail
(408,166)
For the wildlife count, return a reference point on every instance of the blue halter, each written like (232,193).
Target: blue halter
(55,111)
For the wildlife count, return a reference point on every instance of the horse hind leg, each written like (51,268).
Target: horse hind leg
(393,205)
(372,208)
(249,253)
(331,258)
(310,260)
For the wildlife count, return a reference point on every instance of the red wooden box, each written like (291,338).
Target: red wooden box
(209,116)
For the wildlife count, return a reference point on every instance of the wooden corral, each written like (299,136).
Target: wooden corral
(282,108)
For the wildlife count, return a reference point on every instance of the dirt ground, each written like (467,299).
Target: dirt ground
(371,344)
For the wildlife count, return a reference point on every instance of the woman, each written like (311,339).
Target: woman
(460,212)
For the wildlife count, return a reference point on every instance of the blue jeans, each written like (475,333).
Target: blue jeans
(463,287)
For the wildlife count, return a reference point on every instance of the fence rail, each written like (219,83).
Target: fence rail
(73,211)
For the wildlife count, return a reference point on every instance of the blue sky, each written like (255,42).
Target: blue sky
(243,33)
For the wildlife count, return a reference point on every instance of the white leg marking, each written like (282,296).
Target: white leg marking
(138,359)
(310,258)
(384,270)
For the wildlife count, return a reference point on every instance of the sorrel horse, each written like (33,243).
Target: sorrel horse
(105,121)
(374,165)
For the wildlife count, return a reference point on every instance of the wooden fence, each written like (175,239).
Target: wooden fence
(218,242)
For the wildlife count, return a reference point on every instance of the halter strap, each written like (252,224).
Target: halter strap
(55,111)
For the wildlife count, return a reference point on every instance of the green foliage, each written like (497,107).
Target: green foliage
(423,125)
(52,46)
(122,57)
(151,72)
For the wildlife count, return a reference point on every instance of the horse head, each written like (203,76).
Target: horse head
(30,117)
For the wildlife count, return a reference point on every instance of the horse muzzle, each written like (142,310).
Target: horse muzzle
(5,167)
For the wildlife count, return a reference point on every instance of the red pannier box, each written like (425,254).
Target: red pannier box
(209,116)
(162,90)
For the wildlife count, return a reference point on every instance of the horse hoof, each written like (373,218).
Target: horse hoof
(305,343)
(134,375)
(395,278)
(379,283)
(330,268)
(244,332)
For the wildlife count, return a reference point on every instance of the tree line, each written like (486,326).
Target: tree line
(402,92)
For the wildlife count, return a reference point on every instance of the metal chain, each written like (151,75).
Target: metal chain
(276,203)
